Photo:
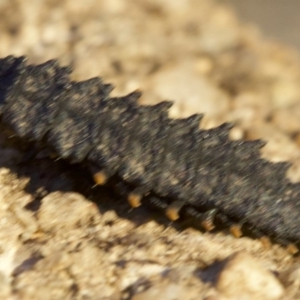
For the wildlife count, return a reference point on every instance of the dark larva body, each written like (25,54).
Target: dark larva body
(200,173)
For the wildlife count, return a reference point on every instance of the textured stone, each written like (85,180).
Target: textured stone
(243,278)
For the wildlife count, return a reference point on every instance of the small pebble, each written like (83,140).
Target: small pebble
(242,278)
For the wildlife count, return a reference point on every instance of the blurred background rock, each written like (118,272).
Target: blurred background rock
(276,18)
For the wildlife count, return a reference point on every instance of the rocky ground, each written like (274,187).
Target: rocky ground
(60,239)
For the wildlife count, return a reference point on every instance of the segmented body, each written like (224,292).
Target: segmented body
(182,169)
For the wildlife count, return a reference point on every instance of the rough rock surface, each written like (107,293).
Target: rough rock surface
(242,278)
(57,244)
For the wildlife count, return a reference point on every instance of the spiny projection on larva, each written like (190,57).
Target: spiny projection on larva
(170,164)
